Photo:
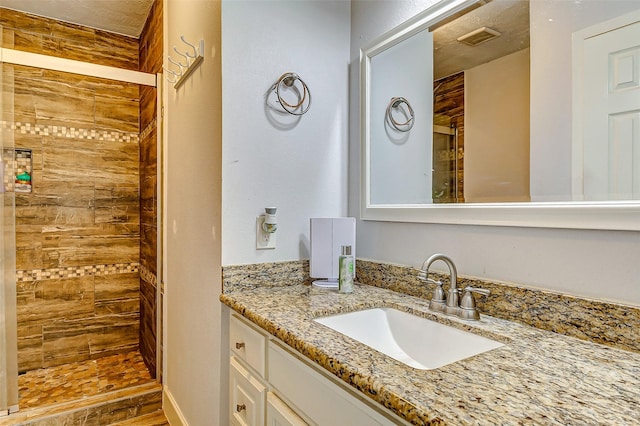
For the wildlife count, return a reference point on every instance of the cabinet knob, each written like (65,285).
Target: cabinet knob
(239,345)
(240,407)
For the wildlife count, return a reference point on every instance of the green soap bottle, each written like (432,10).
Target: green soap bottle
(346,269)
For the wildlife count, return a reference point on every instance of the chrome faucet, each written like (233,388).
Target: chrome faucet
(452,305)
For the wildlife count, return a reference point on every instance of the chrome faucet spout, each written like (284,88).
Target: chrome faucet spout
(452,268)
(452,305)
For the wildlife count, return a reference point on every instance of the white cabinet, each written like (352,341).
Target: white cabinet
(279,413)
(271,384)
(247,365)
(248,344)
(248,395)
(316,394)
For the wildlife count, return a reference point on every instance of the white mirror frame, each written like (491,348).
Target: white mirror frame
(611,215)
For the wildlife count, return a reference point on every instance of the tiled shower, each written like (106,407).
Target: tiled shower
(87,225)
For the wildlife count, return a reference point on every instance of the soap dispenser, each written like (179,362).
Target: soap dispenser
(346,269)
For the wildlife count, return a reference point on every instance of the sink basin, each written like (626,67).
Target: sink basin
(417,342)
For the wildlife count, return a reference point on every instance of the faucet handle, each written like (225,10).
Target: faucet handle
(468,302)
(438,293)
(482,291)
(468,309)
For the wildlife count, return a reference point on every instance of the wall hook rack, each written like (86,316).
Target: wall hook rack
(187,64)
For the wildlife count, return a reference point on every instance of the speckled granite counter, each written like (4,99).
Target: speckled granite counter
(538,377)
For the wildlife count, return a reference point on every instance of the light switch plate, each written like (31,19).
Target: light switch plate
(263,243)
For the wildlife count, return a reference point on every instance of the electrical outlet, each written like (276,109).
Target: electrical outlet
(264,240)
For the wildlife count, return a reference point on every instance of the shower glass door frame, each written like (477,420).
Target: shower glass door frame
(8,322)
(8,317)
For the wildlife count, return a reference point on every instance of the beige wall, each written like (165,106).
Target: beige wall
(192,273)
(496,163)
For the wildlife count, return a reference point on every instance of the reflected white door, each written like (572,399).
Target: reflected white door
(611,115)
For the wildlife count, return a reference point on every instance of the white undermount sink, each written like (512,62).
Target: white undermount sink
(417,342)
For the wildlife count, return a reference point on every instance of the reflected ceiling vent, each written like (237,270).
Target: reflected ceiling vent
(478,36)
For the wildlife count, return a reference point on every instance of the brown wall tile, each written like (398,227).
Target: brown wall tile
(148,246)
(117,113)
(50,37)
(84,209)
(117,287)
(28,245)
(89,338)
(55,299)
(151,40)
(148,106)
(150,61)
(65,346)
(100,244)
(117,204)
(80,161)
(148,331)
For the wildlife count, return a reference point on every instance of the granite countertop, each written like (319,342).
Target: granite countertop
(537,377)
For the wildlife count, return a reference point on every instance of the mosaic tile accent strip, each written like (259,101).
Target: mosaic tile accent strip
(597,321)
(75,271)
(71,132)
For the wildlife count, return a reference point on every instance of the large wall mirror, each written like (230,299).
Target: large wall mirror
(505,112)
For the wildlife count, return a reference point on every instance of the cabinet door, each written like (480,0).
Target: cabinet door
(247,396)
(279,414)
(319,398)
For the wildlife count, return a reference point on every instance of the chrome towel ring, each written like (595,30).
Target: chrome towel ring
(395,104)
(292,82)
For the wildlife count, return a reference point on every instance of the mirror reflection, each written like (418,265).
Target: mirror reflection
(510,106)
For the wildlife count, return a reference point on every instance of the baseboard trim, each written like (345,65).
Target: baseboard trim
(171,409)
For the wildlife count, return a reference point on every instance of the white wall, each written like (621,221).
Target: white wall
(192,166)
(597,264)
(300,169)
(496,130)
(401,161)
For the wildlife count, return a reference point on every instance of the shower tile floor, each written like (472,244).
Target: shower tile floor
(78,380)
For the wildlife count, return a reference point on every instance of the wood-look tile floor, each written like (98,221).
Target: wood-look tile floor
(64,383)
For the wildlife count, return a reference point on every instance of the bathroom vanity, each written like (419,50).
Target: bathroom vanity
(302,372)
(269,381)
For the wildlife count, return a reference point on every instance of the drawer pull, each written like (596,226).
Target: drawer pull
(240,407)
(239,345)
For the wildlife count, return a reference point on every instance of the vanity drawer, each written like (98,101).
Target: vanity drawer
(247,396)
(248,344)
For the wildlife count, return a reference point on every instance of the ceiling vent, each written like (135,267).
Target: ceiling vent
(478,36)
